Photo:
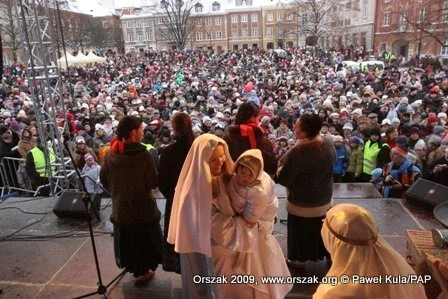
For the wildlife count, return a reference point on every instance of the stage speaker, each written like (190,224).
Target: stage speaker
(70,205)
(427,192)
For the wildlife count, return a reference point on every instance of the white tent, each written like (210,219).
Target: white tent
(94,58)
(62,62)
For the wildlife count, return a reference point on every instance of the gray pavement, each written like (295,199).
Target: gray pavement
(52,257)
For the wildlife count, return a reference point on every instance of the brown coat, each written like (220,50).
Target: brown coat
(130,178)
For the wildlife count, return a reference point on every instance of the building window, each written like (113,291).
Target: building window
(445,12)
(269,17)
(304,19)
(130,37)
(218,35)
(129,24)
(386,19)
(198,8)
(254,32)
(234,33)
(148,23)
(198,35)
(139,24)
(422,14)
(160,20)
(290,17)
(216,6)
(244,19)
(139,38)
(148,36)
(444,51)
(254,18)
(208,22)
(234,19)
(279,17)
(270,31)
(244,33)
(209,36)
(105,24)
(198,22)
(218,21)
(365,8)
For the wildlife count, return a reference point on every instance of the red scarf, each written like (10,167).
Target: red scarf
(116,145)
(247,130)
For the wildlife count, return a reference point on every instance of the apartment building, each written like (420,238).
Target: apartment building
(402,26)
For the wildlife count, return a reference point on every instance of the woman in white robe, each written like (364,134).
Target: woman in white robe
(211,239)
(351,236)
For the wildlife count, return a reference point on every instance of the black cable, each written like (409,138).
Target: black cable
(24,212)
(20,229)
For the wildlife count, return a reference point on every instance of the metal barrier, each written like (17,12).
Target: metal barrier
(14,177)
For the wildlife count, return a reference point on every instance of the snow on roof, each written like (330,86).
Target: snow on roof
(97,8)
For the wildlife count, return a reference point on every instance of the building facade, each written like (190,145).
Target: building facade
(411,29)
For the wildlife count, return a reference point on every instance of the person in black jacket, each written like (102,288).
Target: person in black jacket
(247,134)
(437,171)
(171,161)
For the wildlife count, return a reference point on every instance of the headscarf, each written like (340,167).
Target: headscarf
(190,223)
(351,236)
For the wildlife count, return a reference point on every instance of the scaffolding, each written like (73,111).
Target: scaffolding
(44,79)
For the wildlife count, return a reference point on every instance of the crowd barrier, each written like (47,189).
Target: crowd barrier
(15,179)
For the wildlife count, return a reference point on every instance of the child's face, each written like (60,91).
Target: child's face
(244,176)
(90,162)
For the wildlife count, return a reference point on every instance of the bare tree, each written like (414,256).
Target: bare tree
(318,19)
(79,38)
(179,19)
(423,20)
(105,37)
(10,27)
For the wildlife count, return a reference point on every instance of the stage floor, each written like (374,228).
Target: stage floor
(42,256)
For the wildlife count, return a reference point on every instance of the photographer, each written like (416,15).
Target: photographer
(438,170)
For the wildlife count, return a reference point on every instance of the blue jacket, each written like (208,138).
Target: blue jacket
(340,166)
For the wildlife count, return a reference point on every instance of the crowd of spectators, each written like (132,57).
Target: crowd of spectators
(368,113)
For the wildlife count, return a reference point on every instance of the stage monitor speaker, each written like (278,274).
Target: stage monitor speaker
(70,205)
(428,192)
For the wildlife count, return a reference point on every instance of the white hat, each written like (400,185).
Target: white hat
(441,115)
(395,120)
(420,145)
(337,138)
(348,126)
(386,121)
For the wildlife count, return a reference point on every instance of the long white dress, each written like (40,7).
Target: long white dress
(239,250)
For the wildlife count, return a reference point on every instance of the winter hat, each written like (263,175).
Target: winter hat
(440,115)
(265,120)
(250,162)
(357,111)
(420,145)
(401,151)
(432,118)
(356,139)
(385,122)
(402,141)
(438,129)
(337,138)
(376,173)
(80,139)
(436,140)
(395,120)
(348,126)
(88,158)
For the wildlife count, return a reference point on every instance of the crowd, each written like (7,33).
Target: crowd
(306,121)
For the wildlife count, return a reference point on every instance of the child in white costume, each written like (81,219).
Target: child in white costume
(253,196)
(252,190)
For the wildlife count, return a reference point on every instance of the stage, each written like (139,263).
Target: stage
(52,257)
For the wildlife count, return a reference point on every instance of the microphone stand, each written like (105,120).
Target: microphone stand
(102,289)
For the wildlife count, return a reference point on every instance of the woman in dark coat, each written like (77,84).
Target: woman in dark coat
(247,134)
(129,173)
(171,160)
(306,171)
